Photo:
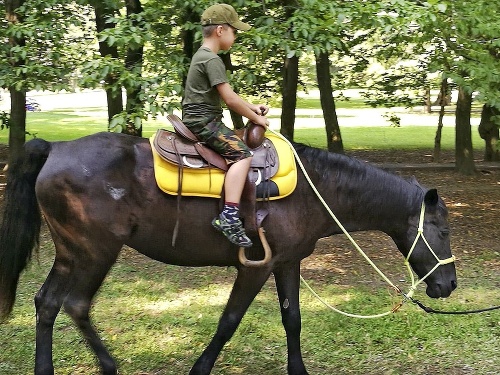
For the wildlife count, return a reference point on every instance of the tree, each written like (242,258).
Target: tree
(488,130)
(464,156)
(442,101)
(290,76)
(17,90)
(103,11)
(121,44)
(333,136)
(454,38)
(38,55)
(133,64)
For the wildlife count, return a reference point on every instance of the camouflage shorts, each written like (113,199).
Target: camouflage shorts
(222,139)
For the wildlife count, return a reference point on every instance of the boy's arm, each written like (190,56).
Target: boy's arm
(251,111)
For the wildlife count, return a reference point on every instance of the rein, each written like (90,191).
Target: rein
(420,234)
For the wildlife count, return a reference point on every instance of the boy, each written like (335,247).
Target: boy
(206,85)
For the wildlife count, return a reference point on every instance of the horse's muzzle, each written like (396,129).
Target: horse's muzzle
(440,290)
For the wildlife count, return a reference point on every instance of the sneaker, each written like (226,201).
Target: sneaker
(235,232)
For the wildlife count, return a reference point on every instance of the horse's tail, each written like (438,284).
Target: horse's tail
(20,227)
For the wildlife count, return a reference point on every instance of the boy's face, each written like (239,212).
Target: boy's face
(227,36)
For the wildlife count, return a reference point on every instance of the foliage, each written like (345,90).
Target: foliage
(54,42)
(393,49)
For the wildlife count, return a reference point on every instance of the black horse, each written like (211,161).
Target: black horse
(98,193)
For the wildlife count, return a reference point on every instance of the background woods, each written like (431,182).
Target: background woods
(138,51)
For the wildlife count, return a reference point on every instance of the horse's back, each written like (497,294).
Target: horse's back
(94,182)
(91,154)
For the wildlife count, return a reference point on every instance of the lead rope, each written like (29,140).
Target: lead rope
(406,297)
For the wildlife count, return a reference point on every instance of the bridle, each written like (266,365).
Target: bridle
(440,262)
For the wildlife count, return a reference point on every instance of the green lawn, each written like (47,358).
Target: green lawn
(67,124)
(385,137)
(157,319)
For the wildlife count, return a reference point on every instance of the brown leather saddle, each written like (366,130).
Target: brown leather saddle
(184,150)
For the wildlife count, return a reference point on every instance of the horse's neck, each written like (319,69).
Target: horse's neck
(372,199)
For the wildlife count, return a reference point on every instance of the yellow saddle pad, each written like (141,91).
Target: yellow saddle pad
(208,182)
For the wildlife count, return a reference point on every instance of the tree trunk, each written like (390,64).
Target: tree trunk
(290,82)
(333,136)
(464,158)
(427,101)
(488,130)
(289,96)
(17,122)
(437,139)
(133,63)
(113,97)
(189,43)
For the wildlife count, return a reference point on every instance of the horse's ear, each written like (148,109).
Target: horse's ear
(431,197)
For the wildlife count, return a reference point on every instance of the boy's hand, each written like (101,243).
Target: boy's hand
(264,109)
(261,109)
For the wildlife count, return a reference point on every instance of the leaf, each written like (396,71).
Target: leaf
(442,7)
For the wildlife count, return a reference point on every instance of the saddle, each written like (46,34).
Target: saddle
(182,148)
(185,150)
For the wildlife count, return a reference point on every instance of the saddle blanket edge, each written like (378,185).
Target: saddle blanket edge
(209,182)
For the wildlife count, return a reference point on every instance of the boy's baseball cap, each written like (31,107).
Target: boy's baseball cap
(220,14)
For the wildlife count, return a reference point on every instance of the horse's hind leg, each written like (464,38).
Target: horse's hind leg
(48,302)
(77,304)
(248,283)
(287,283)
(73,281)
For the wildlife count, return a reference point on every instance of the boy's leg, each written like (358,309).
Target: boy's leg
(229,222)
(235,180)
(223,140)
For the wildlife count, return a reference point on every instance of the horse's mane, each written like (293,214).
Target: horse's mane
(355,175)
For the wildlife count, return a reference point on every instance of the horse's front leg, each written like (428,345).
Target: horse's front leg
(248,283)
(287,279)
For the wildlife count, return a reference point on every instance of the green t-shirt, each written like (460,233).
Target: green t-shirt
(201,98)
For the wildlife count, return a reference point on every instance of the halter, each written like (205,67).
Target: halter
(440,262)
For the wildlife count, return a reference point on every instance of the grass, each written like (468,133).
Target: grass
(382,138)
(71,124)
(157,319)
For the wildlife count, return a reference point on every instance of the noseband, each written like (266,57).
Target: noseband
(440,262)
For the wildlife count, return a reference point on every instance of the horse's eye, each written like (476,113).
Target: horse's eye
(444,232)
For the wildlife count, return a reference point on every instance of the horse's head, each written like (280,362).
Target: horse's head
(428,246)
